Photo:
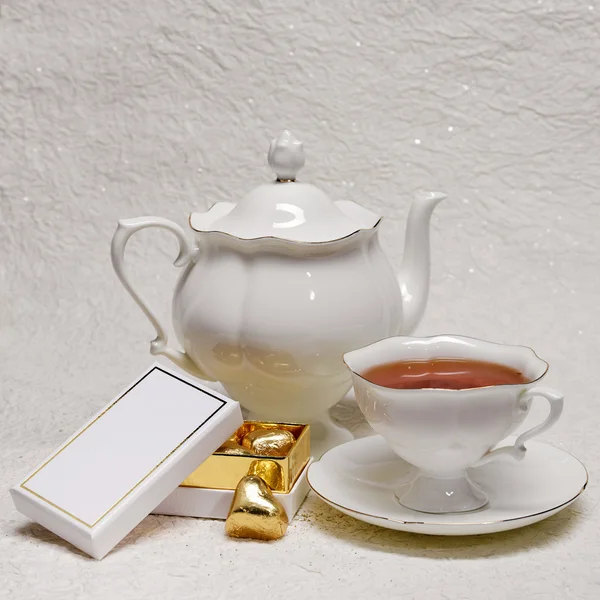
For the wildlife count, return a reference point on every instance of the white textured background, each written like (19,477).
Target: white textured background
(117,109)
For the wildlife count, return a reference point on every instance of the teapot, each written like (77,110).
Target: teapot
(277,287)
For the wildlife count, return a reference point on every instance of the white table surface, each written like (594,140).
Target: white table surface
(112,110)
(50,387)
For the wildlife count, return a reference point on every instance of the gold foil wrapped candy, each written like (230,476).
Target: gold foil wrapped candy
(255,512)
(233,448)
(269,442)
(269,471)
(224,469)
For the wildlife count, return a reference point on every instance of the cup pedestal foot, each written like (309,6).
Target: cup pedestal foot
(435,495)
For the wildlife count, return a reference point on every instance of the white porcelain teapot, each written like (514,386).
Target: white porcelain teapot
(277,287)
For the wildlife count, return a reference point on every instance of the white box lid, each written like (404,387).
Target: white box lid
(127,459)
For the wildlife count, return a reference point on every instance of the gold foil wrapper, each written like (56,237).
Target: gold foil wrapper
(269,471)
(255,513)
(224,469)
(269,442)
(234,449)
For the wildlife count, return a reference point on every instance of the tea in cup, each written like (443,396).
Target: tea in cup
(443,403)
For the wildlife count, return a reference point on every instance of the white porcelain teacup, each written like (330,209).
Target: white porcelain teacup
(443,432)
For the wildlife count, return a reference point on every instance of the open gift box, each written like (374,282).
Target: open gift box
(208,491)
(133,456)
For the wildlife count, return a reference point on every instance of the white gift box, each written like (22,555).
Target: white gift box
(127,459)
(212,503)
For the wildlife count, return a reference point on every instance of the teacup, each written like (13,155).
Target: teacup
(444,432)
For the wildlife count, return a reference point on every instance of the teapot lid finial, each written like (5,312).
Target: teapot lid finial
(286,156)
(291,212)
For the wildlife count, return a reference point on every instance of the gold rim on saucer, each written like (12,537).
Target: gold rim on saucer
(450,524)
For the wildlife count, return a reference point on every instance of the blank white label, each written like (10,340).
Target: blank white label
(100,466)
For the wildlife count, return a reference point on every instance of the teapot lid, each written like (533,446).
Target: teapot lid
(286,208)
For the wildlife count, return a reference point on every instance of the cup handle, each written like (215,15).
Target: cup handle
(517,451)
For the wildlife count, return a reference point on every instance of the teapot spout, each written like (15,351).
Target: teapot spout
(413,277)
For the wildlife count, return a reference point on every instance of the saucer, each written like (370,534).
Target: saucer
(359,478)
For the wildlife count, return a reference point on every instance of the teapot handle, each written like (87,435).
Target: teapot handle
(125,229)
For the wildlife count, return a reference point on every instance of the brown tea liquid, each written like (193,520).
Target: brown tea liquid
(443,373)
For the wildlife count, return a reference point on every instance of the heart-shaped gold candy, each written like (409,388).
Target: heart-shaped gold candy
(254,512)
(269,442)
